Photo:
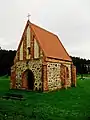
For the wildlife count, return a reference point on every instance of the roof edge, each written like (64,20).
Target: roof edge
(63,47)
(60,59)
(28,22)
(43,29)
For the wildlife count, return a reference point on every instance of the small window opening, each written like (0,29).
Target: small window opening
(29,50)
(33,37)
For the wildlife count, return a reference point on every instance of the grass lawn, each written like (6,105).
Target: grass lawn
(70,104)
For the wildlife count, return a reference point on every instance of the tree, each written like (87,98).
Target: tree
(6,61)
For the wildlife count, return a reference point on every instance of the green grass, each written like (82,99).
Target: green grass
(70,104)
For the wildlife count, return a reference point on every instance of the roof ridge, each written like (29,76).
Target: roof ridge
(43,29)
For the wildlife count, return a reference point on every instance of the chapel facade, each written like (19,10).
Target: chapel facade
(41,62)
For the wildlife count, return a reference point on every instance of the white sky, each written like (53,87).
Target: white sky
(69,19)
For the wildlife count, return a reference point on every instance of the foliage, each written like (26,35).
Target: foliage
(7,58)
(6,61)
(82,65)
(70,104)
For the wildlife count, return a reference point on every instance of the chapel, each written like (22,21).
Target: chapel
(41,62)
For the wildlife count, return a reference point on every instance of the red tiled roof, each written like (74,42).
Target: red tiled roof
(50,44)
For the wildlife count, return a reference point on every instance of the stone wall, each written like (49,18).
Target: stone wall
(35,66)
(53,75)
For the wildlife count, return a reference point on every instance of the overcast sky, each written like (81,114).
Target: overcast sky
(69,19)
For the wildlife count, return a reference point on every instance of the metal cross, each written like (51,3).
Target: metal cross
(28,16)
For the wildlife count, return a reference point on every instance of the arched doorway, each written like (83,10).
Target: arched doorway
(28,79)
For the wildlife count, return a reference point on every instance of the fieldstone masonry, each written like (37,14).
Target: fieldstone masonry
(53,75)
(35,66)
(49,73)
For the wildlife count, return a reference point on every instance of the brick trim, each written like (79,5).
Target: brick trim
(73,76)
(44,78)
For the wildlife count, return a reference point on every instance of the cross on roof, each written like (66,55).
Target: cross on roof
(28,16)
